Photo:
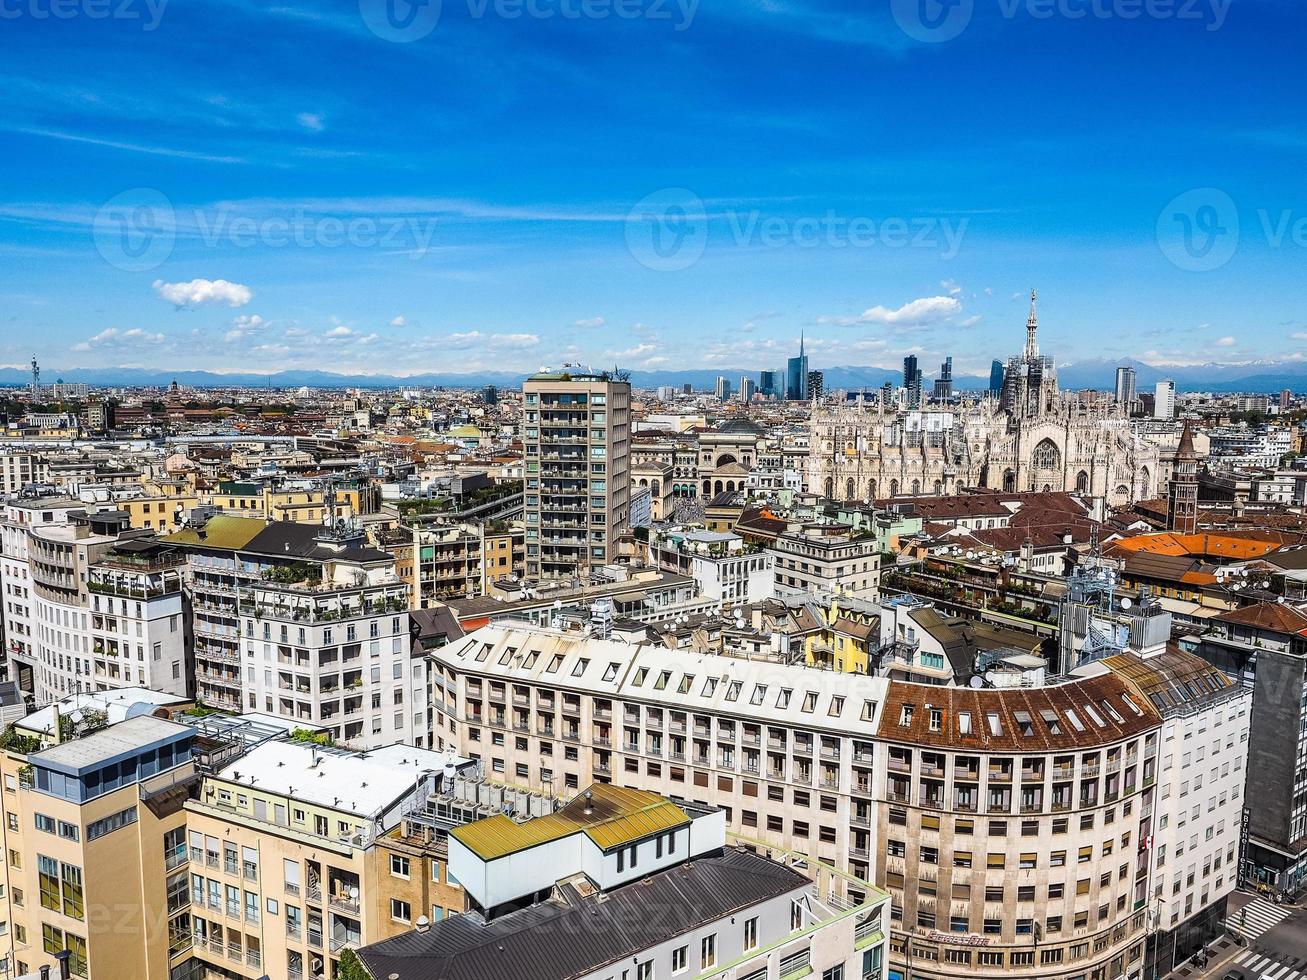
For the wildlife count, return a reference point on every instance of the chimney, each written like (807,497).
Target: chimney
(44,973)
(64,970)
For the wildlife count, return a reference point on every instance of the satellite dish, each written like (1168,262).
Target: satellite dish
(976,681)
(1266,583)
(1126,602)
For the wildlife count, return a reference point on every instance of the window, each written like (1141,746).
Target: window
(400,910)
(708,952)
(680,959)
(834,973)
(750,933)
(399,866)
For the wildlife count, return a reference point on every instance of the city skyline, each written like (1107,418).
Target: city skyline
(270,220)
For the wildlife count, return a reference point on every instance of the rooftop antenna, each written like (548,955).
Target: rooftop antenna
(36,379)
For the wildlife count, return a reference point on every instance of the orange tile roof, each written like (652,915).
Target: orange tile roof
(1238,547)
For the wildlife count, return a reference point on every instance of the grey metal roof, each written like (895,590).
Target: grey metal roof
(573,935)
(108,744)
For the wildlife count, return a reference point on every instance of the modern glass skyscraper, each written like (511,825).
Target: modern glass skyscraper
(996,378)
(796,375)
(912,381)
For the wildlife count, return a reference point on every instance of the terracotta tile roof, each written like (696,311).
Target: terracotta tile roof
(1080,714)
(1276,617)
(1237,547)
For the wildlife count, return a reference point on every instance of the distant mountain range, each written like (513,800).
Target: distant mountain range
(1262,376)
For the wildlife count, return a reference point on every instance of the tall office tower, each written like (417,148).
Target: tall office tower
(912,380)
(490,395)
(723,388)
(576,430)
(687,389)
(1286,400)
(747,388)
(1164,400)
(796,375)
(996,378)
(944,383)
(769,383)
(887,394)
(1125,387)
(816,384)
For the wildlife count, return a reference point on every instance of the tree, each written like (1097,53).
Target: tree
(351,967)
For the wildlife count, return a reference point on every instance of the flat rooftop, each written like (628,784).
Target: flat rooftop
(115,742)
(361,783)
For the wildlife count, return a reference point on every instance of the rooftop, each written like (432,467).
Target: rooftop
(609,815)
(600,930)
(362,783)
(108,744)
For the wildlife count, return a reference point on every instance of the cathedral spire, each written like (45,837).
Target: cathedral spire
(1032,324)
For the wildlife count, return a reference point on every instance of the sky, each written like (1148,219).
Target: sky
(466,185)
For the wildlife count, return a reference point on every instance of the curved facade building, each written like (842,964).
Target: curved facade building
(1014,828)
(1017,829)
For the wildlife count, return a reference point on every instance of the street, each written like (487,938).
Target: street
(1275,947)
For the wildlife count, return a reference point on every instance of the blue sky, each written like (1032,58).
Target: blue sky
(231,184)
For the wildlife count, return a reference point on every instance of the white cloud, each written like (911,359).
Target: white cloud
(514,340)
(113,337)
(591,322)
(201,291)
(1300,335)
(370,338)
(244,326)
(970,321)
(1225,342)
(339,332)
(312,121)
(950,287)
(915,313)
(399,321)
(927,309)
(639,352)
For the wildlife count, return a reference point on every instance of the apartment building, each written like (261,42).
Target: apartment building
(654,888)
(576,434)
(825,558)
(305,623)
(1193,845)
(722,564)
(759,739)
(90,604)
(1263,648)
(446,563)
(22,469)
(1024,812)
(296,854)
(332,649)
(95,857)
